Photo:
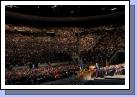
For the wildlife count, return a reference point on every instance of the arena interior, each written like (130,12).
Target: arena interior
(65,44)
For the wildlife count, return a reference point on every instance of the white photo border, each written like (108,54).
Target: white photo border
(4,86)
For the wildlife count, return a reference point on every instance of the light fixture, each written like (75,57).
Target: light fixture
(54,6)
(12,6)
(113,9)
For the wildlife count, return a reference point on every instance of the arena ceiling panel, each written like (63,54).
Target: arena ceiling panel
(65,10)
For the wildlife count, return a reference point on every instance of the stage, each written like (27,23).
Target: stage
(115,80)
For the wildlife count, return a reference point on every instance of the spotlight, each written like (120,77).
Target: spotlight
(113,9)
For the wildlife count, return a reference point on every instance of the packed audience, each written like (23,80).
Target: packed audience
(31,44)
(117,69)
(40,74)
(92,72)
(106,46)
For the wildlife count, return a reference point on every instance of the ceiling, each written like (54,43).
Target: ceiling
(65,10)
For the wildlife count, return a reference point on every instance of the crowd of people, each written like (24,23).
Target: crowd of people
(41,74)
(106,46)
(30,44)
(49,73)
(92,72)
(117,69)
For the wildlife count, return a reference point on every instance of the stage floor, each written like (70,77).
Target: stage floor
(98,81)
